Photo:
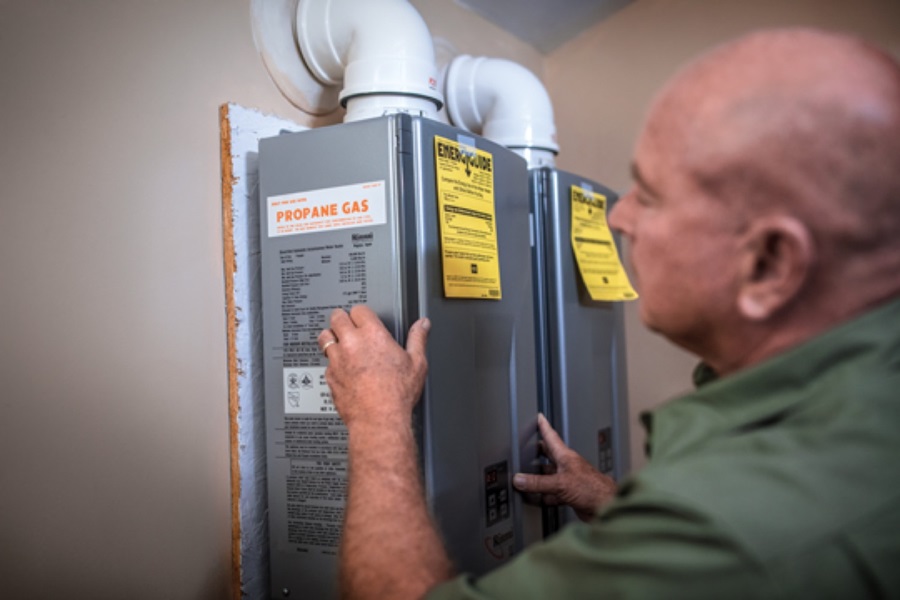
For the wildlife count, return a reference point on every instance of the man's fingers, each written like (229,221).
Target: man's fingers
(326,340)
(325,336)
(541,484)
(341,324)
(362,315)
(418,337)
(553,444)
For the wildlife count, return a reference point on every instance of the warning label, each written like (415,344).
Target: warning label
(306,391)
(316,486)
(327,209)
(465,190)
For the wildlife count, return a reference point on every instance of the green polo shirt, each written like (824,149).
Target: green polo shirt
(780,481)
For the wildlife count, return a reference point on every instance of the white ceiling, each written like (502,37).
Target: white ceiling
(545,24)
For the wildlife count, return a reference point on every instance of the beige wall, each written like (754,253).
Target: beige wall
(114,424)
(601,84)
(456,30)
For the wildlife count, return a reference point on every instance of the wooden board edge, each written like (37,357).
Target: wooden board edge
(230,265)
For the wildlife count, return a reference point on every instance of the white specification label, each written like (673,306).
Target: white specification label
(306,391)
(327,209)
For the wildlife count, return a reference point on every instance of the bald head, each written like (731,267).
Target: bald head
(778,156)
(798,121)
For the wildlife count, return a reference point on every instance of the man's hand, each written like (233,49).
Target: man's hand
(390,548)
(574,483)
(371,376)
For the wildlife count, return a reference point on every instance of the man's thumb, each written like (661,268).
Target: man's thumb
(418,337)
(533,483)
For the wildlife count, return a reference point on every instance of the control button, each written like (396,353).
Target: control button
(496,492)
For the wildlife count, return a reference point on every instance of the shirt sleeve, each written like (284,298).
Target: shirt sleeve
(646,547)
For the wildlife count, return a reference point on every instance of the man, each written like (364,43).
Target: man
(764,231)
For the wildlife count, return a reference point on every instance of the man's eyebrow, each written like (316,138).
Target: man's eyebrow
(640,180)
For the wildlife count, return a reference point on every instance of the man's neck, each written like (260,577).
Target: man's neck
(755,343)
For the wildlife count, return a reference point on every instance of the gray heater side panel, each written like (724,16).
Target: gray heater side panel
(480,402)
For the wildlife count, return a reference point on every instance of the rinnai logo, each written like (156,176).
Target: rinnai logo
(362,237)
(327,209)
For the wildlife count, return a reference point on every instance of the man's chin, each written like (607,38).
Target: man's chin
(643,316)
(648,321)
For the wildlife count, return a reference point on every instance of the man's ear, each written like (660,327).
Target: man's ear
(778,259)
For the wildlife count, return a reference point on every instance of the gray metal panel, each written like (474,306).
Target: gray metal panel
(303,277)
(479,404)
(584,355)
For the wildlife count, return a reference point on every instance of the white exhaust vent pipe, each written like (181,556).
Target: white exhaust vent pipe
(380,50)
(378,53)
(504,102)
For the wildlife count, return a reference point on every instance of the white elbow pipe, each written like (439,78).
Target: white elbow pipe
(504,102)
(381,50)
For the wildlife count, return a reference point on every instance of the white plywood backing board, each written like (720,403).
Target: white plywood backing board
(241,129)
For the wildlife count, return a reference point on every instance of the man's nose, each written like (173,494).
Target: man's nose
(618,213)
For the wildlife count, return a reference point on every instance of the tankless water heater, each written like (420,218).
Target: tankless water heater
(581,341)
(413,218)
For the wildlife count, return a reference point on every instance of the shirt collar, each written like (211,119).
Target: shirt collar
(770,389)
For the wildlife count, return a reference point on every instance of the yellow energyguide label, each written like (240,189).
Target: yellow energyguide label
(468,225)
(595,250)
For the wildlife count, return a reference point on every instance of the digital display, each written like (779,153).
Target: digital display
(496,490)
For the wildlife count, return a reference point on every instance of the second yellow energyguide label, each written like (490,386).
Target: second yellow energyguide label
(595,250)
